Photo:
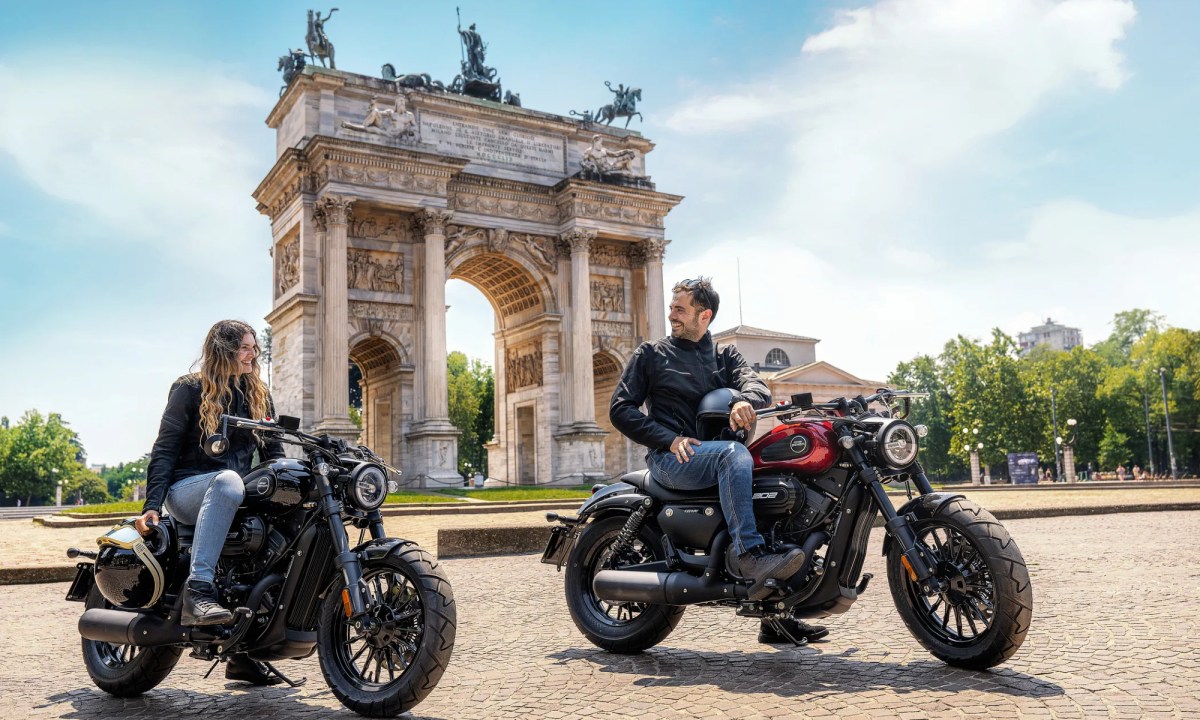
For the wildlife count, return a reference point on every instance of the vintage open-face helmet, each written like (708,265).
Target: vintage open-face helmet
(131,570)
(712,418)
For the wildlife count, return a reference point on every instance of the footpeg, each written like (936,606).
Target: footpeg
(862,584)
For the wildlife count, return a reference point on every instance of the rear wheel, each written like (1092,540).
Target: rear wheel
(125,670)
(388,667)
(626,627)
(980,619)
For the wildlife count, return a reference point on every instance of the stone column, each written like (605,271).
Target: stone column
(1068,463)
(335,346)
(582,380)
(580,441)
(975,467)
(434,438)
(656,302)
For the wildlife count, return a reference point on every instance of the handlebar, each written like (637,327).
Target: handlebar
(802,403)
(326,445)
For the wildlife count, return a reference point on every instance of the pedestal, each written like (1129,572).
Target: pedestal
(338,427)
(433,455)
(1069,463)
(580,454)
(974,468)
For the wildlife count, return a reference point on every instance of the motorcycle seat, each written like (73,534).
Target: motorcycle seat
(645,481)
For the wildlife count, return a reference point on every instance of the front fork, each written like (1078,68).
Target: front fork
(912,552)
(353,595)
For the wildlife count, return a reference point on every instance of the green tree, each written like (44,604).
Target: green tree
(1129,326)
(1074,379)
(1114,448)
(922,374)
(471,390)
(86,485)
(119,479)
(37,452)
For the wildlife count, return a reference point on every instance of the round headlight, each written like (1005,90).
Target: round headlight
(897,444)
(368,487)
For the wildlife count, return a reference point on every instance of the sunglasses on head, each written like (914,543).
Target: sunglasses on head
(699,292)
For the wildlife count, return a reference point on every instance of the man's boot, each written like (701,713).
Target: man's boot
(200,605)
(798,629)
(762,565)
(244,669)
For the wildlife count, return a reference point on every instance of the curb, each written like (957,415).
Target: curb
(481,542)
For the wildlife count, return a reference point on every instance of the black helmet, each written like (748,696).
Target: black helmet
(131,571)
(712,418)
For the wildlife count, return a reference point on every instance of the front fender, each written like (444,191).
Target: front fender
(922,507)
(378,548)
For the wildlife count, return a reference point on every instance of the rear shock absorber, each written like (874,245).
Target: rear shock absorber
(629,531)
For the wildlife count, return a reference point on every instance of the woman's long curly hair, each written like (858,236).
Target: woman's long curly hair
(219,370)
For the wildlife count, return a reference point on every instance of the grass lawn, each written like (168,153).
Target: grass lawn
(409,496)
(133,508)
(522,493)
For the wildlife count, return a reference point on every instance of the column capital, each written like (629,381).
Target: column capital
(334,209)
(649,250)
(432,221)
(579,240)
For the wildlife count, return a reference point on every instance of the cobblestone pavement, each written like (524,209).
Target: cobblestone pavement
(23,544)
(1114,634)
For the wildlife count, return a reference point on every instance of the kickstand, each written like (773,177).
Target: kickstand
(211,668)
(779,628)
(281,676)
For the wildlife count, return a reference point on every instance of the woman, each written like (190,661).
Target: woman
(196,489)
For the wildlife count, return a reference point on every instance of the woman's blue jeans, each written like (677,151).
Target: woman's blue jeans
(725,464)
(209,502)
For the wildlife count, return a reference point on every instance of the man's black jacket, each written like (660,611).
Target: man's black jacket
(671,376)
(177,453)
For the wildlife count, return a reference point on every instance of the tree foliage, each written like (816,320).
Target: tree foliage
(985,392)
(35,454)
(471,387)
(120,480)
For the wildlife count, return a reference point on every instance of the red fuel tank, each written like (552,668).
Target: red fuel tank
(807,448)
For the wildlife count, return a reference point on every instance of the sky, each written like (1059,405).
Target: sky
(887,175)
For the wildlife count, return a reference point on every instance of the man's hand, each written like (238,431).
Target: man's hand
(143,523)
(741,415)
(681,447)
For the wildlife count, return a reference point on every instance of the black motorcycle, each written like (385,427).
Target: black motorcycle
(381,613)
(638,553)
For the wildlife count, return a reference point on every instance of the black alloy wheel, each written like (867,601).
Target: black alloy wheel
(385,648)
(963,611)
(124,670)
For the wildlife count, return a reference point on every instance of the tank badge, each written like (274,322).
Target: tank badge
(798,444)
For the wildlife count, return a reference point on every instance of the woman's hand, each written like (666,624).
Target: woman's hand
(143,523)
(681,448)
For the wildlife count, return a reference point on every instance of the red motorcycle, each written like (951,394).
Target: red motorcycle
(637,554)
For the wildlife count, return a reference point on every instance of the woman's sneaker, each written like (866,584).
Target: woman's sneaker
(798,629)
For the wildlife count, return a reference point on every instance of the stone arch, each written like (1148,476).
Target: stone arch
(607,366)
(387,387)
(517,290)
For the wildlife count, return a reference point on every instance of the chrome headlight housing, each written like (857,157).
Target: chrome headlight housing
(896,443)
(368,487)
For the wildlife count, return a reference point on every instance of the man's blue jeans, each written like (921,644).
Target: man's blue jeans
(723,463)
(209,502)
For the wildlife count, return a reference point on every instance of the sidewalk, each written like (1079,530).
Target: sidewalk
(33,553)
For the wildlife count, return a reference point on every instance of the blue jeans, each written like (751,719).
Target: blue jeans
(725,464)
(209,502)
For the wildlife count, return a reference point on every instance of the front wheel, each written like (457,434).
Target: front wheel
(389,666)
(625,627)
(980,619)
(125,670)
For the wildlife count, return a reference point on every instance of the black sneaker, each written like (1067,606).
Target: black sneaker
(761,565)
(798,629)
(201,606)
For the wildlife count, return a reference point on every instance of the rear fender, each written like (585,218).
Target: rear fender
(618,497)
(922,507)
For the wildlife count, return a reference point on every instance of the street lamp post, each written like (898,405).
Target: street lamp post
(1162,379)
(1149,442)
(1054,420)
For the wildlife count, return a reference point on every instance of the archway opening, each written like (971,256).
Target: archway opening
(470,329)
(375,382)
(606,372)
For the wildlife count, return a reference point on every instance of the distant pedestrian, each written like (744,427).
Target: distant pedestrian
(18,502)
(1120,473)
(1137,472)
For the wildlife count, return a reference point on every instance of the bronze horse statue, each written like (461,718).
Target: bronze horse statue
(319,46)
(291,65)
(623,105)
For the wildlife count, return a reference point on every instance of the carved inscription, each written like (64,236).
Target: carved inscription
(380,311)
(378,271)
(612,329)
(484,141)
(523,367)
(288,273)
(608,294)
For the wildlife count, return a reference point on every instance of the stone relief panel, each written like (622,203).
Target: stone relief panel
(287,261)
(460,236)
(608,294)
(523,367)
(387,178)
(380,311)
(375,226)
(611,255)
(537,212)
(373,270)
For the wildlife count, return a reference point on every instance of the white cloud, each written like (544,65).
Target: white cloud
(166,156)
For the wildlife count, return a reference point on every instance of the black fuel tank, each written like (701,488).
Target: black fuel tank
(278,485)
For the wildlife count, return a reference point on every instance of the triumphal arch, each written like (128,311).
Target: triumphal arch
(380,193)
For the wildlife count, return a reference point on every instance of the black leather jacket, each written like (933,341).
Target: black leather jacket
(177,453)
(671,376)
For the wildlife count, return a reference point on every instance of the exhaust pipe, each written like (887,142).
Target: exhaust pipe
(121,627)
(658,588)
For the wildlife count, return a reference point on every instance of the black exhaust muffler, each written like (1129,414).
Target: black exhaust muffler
(662,588)
(121,627)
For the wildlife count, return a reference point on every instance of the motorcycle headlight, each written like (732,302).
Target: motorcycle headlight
(368,487)
(896,444)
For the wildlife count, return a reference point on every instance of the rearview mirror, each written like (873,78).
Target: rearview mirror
(287,422)
(803,401)
(215,446)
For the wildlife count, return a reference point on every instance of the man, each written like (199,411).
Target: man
(670,377)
